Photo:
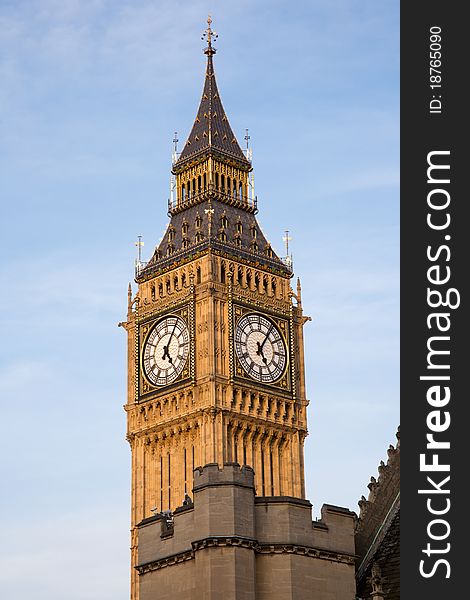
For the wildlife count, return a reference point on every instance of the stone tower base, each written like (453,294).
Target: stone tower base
(231,545)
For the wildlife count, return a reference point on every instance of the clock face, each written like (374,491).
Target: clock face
(260,348)
(166,350)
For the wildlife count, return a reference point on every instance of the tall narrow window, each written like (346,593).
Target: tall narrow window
(216,181)
(271,471)
(263,489)
(222,183)
(199,184)
(169,482)
(205,181)
(228,185)
(222,273)
(183,192)
(161,482)
(240,190)
(248,278)
(198,275)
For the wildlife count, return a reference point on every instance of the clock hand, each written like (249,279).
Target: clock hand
(173,331)
(267,335)
(259,352)
(165,348)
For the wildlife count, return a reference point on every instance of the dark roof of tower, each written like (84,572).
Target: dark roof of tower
(230,231)
(211,132)
(213,219)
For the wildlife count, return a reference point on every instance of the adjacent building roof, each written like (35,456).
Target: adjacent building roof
(378,532)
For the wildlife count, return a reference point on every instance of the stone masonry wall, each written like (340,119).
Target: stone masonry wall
(230,544)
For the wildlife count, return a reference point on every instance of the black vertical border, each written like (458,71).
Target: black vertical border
(421,133)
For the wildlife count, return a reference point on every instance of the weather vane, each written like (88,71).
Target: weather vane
(286,239)
(209,34)
(247,139)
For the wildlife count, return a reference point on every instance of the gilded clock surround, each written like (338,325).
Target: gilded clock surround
(144,328)
(284,381)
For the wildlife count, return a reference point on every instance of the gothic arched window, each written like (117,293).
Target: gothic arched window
(222,273)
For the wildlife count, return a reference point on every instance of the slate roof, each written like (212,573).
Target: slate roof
(233,232)
(211,132)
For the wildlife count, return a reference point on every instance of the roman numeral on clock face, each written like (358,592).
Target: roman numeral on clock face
(166,351)
(260,347)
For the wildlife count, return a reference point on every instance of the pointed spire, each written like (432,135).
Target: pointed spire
(129,297)
(299,293)
(211,132)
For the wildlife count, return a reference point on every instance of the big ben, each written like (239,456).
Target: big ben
(215,343)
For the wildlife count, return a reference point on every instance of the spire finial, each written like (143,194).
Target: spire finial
(210,36)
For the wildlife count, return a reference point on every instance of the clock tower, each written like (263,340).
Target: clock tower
(215,343)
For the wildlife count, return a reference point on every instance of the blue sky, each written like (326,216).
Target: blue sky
(90,97)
